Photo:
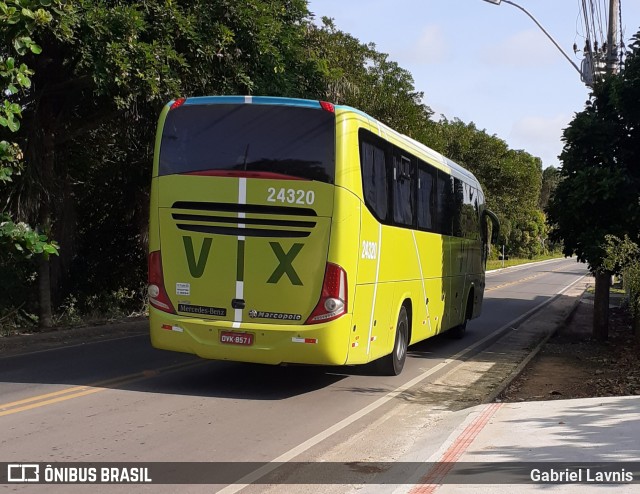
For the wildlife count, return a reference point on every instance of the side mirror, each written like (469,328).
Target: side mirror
(495,231)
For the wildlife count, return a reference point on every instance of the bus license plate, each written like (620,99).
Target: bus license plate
(232,338)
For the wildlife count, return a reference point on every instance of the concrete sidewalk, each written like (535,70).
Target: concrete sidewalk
(540,433)
(493,440)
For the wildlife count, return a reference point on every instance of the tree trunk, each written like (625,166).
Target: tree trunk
(45,319)
(601,306)
(44,268)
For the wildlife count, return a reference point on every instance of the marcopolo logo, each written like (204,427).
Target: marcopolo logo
(274,315)
(23,472)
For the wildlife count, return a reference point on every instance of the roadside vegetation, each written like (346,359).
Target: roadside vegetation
(595,208)
(517,261)
(83,83)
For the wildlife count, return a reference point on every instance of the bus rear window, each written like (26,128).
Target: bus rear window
(287,140)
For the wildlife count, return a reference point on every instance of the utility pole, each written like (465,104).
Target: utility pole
(612,37)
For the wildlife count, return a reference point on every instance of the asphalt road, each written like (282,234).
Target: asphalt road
(123,401)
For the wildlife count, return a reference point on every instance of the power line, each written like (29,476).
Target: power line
(587,26)
(588,65)
(603,38)
(598,12)
(622,47)
(593,27)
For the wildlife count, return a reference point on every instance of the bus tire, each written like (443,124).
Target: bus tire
(392,364)
(459,331)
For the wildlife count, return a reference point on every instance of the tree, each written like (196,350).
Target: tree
(109,66)
(599,192)
(550,181)
(510,178)
(360,76)
(356,74)
(622,256)
(21,20)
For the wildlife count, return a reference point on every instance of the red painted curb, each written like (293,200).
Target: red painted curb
(434,477)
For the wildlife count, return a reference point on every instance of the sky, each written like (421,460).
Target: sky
(484,63)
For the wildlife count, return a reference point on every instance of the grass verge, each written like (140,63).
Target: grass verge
(516,261)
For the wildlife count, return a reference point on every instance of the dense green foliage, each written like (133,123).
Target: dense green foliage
(550,181)
(364,78)
(358,75)
(600,177)
(91,111)
(599,191)
(622,256)
(631,277)
(22,20)
(511,180)
(89,104)
(20,244)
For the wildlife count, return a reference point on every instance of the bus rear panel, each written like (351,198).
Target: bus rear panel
(243,200)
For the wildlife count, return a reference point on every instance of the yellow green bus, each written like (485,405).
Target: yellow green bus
(297,231)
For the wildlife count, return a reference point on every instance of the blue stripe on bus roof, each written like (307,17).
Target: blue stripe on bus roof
(256,100)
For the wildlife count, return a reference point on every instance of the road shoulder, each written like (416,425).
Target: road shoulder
(418,423)
(42,341)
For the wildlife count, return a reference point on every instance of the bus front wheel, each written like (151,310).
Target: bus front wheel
(392,364)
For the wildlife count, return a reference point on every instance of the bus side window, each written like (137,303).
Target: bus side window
(470,213)
(403,191)
(426,197)
(444,200)
(374,179)
(456,208)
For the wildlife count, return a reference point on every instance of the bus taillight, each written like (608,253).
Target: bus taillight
(326,106)
(333,298)
(157,294)
(177,103)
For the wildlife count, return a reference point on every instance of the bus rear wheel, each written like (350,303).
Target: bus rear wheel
(392,364)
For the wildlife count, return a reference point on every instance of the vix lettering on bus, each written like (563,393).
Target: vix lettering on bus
(196,268)
(286,263)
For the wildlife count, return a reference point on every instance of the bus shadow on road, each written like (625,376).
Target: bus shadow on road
(238,381)
(439,346)
(131,364)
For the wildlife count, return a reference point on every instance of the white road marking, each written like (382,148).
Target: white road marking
(318,438)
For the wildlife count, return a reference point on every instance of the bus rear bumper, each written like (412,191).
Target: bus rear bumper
(320,344)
